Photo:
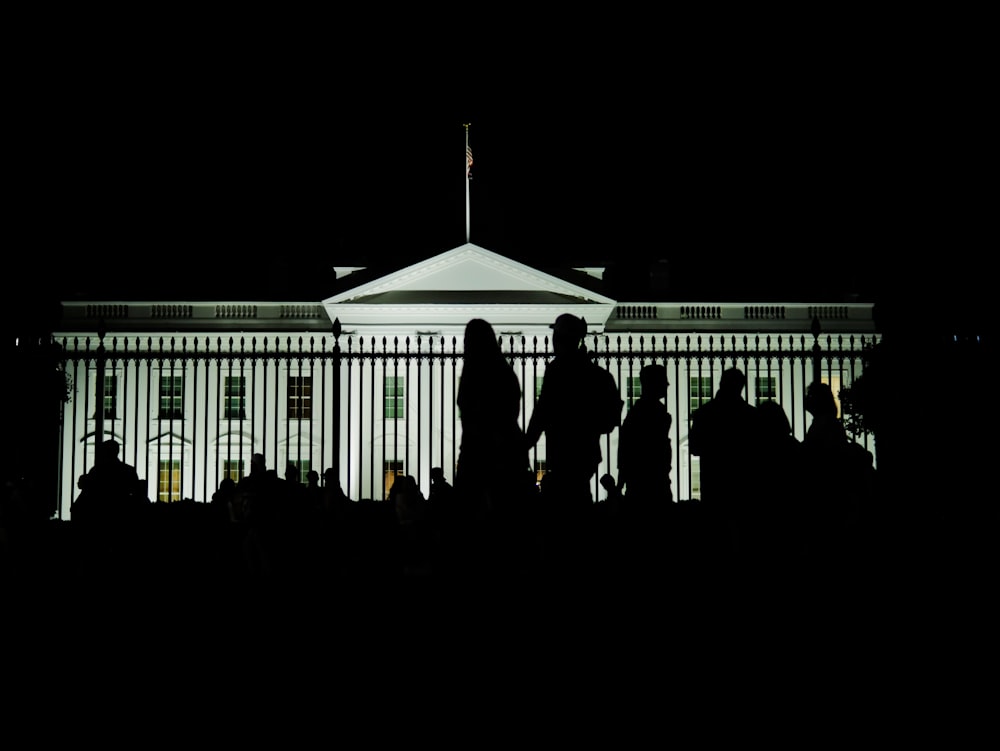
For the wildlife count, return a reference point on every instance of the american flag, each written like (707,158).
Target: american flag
(468,159)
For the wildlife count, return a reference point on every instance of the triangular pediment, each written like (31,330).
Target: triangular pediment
(468,273)
(444,292)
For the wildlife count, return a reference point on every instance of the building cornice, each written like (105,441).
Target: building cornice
(202,317)
(740,317)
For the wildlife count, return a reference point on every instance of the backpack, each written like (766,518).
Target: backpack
(608,404)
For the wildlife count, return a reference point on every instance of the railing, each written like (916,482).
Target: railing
(190,410)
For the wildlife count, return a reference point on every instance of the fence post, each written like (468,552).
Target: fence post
(817,367)
(99,411)
(336,396)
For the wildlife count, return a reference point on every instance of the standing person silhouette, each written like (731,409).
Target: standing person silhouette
(644,464)
(644,447)
(571,411)
(492,456)
(492,459)
(777,526)
(839,477)
(725,435)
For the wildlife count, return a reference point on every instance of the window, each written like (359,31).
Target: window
(395,408)
(235,398)
(168,487)
(302,467)
(110,398)
(171,397)
(633,389)
(299,397)
(539,380)
(393,468)
(834,382)
(233,469)
(539,471)
(765,388)
(701,391)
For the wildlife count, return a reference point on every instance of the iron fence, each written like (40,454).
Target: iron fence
(189,411)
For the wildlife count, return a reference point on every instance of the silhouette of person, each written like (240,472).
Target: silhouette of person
(724,434)
(111,489)
(644,465)
(776,527)
(224,500)
(492,458)
(564,412)
(263,493)
(839,477)
(111,507)
(440,487)
(295,507)
(614,493)
(335,500)
(415,539)
(492,453)
(440,497)
(252,486)
(571,412)
(313,494)
(335,524)
(644,447)
(826,430)
(409,503)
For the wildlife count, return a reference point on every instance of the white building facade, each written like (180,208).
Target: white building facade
(365,381)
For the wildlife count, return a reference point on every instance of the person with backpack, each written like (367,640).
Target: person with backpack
(579,402)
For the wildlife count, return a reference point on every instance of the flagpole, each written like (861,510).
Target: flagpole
(468,166)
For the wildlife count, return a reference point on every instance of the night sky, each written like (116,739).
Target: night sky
(820,166)
(763,153)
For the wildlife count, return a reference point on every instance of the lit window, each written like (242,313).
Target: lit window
(233,469)
(393,468)
(834,382)
(169,481)
(540,471)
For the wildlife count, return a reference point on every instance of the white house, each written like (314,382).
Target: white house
(365,379)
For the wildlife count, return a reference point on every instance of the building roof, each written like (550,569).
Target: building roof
(443,292)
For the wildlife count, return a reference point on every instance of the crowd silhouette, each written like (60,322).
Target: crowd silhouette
(775,514)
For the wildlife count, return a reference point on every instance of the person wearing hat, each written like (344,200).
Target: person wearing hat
(567,412)
(644,447)
(644,464)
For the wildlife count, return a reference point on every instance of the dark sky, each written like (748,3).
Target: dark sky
(834,163)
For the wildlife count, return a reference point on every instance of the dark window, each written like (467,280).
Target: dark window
(765,388)
(299,397)
(110,398)
(701,391)
(395,407)
(235,399)
(171,397)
